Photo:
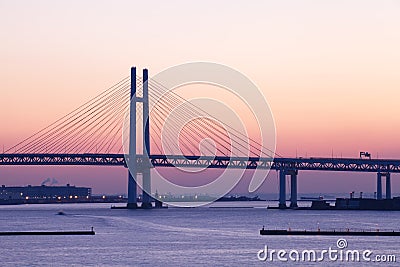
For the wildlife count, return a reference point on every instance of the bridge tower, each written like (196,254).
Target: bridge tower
(144,168)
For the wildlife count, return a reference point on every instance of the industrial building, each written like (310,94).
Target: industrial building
(31,193)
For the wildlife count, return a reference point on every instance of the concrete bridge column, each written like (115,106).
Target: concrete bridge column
(379,186)
(146,202)
(282,189)
(132,192)
(293,189)
(388,186)
(132,186)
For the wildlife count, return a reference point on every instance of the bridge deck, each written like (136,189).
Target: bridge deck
(318,164)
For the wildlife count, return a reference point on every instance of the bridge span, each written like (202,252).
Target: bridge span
(285,166)
(307,164)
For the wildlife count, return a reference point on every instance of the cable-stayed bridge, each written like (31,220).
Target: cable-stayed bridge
(91,135)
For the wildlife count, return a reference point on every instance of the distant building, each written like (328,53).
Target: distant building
(44,192)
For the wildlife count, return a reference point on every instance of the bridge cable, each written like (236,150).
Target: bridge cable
(43,138)
(68,128)
(65,117)
(181,118)
(160,86)
(204,122)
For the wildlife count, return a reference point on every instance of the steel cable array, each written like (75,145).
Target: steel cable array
(176,126)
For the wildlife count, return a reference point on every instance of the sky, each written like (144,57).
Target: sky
(328,69)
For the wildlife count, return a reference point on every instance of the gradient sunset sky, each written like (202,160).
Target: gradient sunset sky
(330,71)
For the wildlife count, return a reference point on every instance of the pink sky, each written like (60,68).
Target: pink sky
(329,70)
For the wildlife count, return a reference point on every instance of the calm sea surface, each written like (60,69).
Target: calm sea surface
(223,234)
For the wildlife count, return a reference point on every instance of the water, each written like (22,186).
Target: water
(219,235)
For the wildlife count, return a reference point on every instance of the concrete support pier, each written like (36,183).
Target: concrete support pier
(146,143)
(146,202)
(282,189)
(132,192)
(379,186)
(293,189)
(132,185)
(388,186)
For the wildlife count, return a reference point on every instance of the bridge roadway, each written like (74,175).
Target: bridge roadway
(314,164)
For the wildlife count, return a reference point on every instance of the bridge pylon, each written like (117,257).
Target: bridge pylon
(134,169)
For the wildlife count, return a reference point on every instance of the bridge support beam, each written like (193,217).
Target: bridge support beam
(132,174)
(132,192)
(388,186)
(147,199)
(282,189)
(293,189)
(379,186)
(146,202)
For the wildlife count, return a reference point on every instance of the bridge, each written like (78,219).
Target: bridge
(94,126)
